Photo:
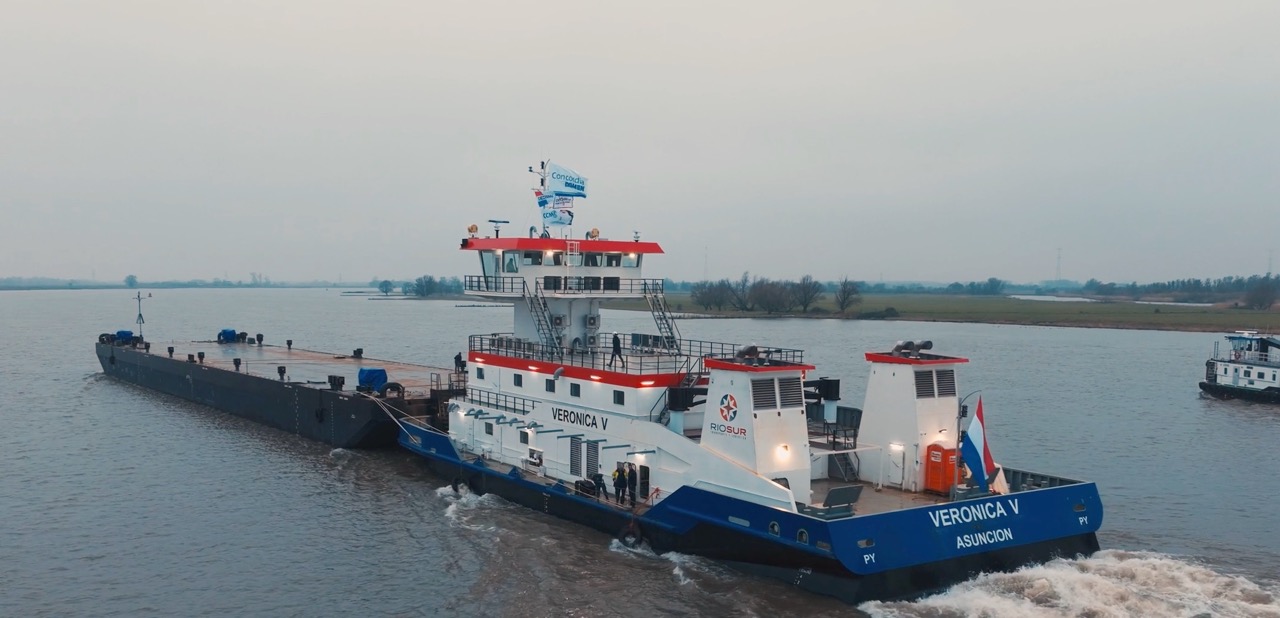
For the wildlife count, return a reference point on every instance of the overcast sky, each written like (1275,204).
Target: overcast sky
(896,140)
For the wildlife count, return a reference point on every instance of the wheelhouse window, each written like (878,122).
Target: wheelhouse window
(532,258)
(511,262)
(631,260)
(488,263)
(613,259)
(592,259)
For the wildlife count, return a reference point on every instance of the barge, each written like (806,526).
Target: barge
(313,394)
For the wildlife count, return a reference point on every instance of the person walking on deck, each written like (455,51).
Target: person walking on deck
(619,485)
(617,352)
(632,479)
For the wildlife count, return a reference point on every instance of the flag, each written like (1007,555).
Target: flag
(976,453)
(565,182)
(552,213)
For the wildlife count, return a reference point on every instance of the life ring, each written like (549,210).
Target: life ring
(391,386)
(631,536)
(1236,355)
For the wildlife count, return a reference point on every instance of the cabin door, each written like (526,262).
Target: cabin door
(897,471)
(1235,376)
(644,482)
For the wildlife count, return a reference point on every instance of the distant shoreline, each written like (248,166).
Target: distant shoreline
(1003,310)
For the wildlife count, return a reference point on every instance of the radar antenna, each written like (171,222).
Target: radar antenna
(497,226)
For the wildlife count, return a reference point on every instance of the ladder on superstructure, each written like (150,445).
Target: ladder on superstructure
(662,316)
(846,467)
(541,319)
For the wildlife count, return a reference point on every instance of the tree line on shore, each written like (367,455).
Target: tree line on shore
(1253,292)
(424,286)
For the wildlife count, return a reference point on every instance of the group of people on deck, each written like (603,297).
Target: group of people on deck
(625,480)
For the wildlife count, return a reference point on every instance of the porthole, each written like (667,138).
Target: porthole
(802,536)
(774,529)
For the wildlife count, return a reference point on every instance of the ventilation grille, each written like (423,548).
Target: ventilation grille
(791,392)
(924,385)
(575,456)
(763,395)
(593,458)
(946,382)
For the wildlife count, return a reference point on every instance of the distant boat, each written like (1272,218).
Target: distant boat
(1248,369)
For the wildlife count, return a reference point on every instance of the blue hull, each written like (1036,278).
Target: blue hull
(900,554)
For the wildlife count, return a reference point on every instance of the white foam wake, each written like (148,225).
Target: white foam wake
(461,504)
(1110,583)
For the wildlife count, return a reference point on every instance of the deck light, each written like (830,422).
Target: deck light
(595,377)
(647,383)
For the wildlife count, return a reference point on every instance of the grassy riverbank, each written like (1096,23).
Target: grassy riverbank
(1004,310)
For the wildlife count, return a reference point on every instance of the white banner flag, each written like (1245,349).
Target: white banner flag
(564,182)
(553,216)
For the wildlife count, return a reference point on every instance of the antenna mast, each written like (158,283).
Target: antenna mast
(140,321)
(542,187)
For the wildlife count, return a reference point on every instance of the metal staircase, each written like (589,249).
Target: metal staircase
(846,467)
(662,316)
(541,319)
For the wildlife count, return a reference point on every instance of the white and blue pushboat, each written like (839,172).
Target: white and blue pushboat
(1249,368)
(740,455)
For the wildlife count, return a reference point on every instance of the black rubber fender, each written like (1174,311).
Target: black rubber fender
(631,535)
(392,386)
(104,338)
(319,415)
(457,483)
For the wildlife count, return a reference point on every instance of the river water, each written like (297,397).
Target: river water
(115,501)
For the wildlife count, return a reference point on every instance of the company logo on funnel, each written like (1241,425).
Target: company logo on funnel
(728,408)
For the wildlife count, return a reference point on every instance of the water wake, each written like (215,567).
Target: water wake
(461,503)
(1110,583)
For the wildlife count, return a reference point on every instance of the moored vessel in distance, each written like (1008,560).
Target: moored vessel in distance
(1247,368)
(730,451)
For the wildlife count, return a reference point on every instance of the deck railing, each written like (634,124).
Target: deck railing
(1249,357)
(641,353)
(553,285)
(510,403)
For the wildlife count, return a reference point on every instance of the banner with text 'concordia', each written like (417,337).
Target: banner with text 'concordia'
(564,182)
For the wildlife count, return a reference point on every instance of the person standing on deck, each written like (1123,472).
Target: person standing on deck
(617,351)
(598,479)
(632,478)
(619,485)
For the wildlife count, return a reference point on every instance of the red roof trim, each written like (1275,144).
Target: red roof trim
(880,357)
(712,363)
(559,244)
(614,378)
